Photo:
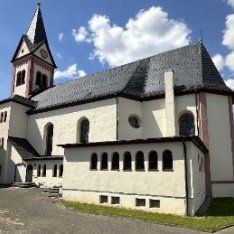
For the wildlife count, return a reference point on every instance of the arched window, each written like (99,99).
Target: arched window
(127,161)
(61,171)
(49,132)
(23,77)
(44,171)
(153,160)
(115,161)
(55,170)
(18,78)
(140,162)
(186,124)
(38,79)
(0,169)
(167,160)
(84,131)
(39,170)
(44,81)
(104,161)
(94,160)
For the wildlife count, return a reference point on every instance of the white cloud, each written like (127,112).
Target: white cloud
(230,83)
(71,72)
(59,55)
(228,34)
(218,61)
(60,36)
(149,32)
(80,35)
(230,3)
(229,61)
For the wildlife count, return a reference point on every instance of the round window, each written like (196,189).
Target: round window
(134,121)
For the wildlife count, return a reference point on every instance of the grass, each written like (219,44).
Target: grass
(219,215)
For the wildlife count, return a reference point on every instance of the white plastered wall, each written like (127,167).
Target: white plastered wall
(4,128)
(166,186)
(220,146)
(37,53)
(153,119)
(16,127)
(23,50)
(48,180)
(15,165)
(101,116)
(154,115)
(197,186)
(126,108)
(18,120)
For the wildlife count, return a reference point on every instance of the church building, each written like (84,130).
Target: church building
(155,134)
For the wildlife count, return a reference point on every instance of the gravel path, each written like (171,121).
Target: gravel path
(31,211)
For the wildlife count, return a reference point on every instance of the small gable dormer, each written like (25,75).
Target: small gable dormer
(33,63)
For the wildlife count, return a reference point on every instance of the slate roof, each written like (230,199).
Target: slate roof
(193,70)
(36,31)
(21,100)
(23,147)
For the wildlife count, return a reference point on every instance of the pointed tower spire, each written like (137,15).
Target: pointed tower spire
(36,32)
(33,63)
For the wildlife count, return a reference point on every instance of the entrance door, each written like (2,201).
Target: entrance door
(29,173)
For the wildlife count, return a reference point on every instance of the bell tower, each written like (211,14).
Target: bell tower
(33,63)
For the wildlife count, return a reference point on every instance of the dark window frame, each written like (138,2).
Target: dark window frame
(104,162)
(167,162)
(140,161)
(115,161)
(186,124)
(127,161)
(153,161)
(94,161)
(55,171)
(84,131)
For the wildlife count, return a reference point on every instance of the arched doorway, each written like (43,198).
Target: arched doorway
(29,173)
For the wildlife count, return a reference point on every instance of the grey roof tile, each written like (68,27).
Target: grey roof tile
(193,70)
(23,147)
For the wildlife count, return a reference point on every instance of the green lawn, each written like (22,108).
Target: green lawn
(219,216)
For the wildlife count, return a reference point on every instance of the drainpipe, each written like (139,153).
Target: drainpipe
(197,111)
(117,119)
(186,178)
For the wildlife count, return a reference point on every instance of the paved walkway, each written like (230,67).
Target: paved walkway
(31,211)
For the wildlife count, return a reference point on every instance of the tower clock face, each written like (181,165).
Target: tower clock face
(44,54)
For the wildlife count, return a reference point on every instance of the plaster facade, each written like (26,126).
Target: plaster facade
(166,186)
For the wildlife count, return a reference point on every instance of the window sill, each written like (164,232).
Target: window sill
(153,170)
(103,169)
(93,169)
(140,170)
(127,170)
(115,169)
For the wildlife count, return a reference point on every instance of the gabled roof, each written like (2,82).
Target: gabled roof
(193,68)
(23,147)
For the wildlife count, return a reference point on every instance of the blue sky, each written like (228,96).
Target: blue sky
(92,35)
